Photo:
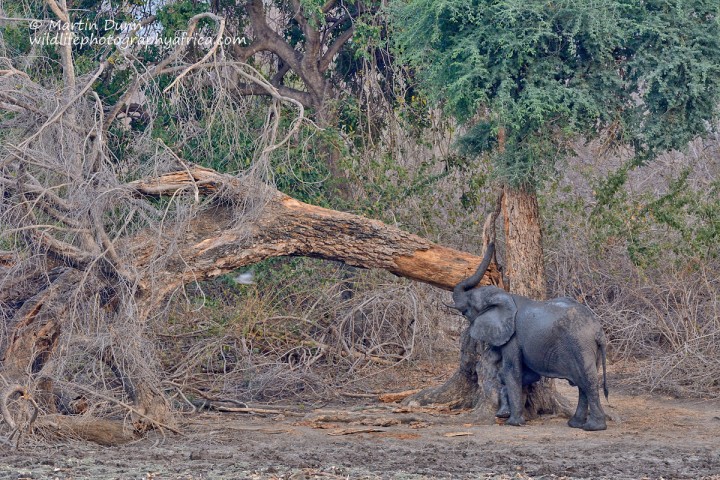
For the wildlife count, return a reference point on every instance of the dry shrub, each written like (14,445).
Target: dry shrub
(662,312)
(277,340)
(69,216)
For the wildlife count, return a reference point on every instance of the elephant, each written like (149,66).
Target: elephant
(558,338)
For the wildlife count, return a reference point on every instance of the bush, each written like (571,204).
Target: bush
(645,259)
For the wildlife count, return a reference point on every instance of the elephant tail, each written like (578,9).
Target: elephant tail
(602,344)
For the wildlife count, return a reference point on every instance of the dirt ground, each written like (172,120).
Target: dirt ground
(652,437)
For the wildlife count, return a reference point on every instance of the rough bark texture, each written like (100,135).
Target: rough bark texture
(523,242)
(37,324)
(473,385)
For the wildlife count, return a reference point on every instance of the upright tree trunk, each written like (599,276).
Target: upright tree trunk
(526,275)
(475,383)
(525,268)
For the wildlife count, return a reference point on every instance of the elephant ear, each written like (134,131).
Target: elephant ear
(495,322)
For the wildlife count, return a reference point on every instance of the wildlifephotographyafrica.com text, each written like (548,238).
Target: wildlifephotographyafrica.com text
(121,34)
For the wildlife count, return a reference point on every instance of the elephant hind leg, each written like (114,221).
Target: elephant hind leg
(578,420)
(596,415)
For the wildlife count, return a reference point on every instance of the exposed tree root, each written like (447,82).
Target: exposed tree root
(16,428)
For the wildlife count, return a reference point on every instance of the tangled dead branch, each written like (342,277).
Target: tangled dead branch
(17,427)
(71,283)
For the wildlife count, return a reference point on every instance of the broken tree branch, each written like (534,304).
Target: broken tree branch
(288,227)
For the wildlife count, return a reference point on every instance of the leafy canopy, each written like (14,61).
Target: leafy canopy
(644,73)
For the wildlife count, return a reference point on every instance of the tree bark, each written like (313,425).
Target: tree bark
(523,243)
(473,385)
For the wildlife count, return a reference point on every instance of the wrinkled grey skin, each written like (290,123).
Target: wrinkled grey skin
(558,338)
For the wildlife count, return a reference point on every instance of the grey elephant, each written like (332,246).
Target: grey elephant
(558,338)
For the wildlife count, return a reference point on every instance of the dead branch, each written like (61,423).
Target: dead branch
(192,25)
(97,430)
(5,395)
(290,227)
(396,397)
(129,408)
(65,107)
(262,411)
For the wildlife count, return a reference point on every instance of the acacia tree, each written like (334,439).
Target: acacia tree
(527,78)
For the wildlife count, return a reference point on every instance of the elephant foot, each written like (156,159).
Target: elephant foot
(594,425)
(515,421)
(577,422)
(502,413)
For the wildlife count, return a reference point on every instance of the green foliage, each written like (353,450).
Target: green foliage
(174,16)
(302,171)
(545,72)
(388,184)
(681,221)
(367,37)
(672,50)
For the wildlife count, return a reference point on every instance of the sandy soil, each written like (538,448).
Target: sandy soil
(652,437)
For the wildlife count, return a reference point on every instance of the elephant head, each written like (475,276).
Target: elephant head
(490,310)
(493,313)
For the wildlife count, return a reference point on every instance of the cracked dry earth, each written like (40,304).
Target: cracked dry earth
(651,438)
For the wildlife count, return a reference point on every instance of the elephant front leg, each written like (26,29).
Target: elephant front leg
(503,410)
(511,373)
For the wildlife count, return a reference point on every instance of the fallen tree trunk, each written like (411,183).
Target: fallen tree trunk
(288,227)
(216,240)
(215,243)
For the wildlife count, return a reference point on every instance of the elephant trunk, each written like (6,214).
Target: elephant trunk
(472,281)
